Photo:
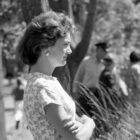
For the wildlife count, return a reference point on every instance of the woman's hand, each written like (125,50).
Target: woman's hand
(72,126)
(70,129)
(86,119)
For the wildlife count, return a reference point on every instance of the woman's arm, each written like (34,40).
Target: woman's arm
(88,124)
(59,118)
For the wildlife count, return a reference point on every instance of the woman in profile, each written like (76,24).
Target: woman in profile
(49,111)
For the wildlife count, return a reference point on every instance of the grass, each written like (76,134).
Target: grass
(115,117)
(128,127)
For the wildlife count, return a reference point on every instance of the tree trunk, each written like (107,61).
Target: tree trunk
(59,6)
(82,47)
(32,8)
(2,112)
(65,74)
(79,11)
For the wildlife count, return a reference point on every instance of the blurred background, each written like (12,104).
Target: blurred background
(114,21)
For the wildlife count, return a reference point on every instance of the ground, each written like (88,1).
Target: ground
(9,113)
(8,104)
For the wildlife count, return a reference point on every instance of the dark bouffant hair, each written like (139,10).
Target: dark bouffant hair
(134,57)
(42,32)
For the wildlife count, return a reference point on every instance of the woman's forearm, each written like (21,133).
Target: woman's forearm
(87,130)
(87,127)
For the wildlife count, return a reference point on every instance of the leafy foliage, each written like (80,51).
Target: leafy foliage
(11,27)
(117,21)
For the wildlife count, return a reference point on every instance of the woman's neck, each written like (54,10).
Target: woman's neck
(45,68)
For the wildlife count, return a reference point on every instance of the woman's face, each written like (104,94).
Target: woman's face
(60,51)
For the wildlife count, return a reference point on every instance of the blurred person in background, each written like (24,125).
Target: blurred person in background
(10,66)
(87,77)
(112,82)
(90,68)
(18,92)
(133,73)
(107,77)
(110,76)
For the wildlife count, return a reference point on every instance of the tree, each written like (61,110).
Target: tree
(31,8)
(59,6)
(136,1)
(2,120)
(65,74)
(6,9)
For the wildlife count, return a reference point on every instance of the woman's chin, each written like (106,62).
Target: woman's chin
(62,64)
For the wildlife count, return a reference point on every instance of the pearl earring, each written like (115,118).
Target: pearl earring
(47,54)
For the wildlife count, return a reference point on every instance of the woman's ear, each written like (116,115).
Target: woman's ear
(46,52)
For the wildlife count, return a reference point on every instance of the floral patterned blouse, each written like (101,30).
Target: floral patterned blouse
(40,91)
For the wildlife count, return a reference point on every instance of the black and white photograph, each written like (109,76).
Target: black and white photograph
(69,69)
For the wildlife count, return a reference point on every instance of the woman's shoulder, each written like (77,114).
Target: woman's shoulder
(40,80)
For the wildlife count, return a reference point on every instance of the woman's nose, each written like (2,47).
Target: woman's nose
(69,50)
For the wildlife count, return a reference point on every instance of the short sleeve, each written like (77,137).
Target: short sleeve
(47,96)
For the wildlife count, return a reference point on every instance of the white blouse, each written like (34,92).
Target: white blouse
(40,91)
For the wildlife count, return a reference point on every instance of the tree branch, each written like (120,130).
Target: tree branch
(82,47)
